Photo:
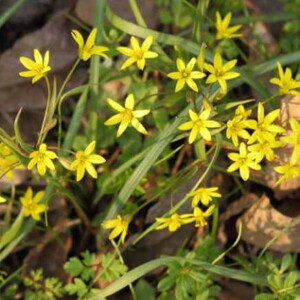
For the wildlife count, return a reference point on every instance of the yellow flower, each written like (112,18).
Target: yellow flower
(264,149)
(84,162)
(243,161)
(294,139)
(87,49)
(126,115)
(204,195)
(285,82)
(241,111)
(2,199)
(174,222)
(263,127)
(185,75)
(288,170)
(8,161)
(137,54)
(198,216)
(236,128)
(119,225)
(37,68)
(31,204)
(223,29)
(199,125)
(43,159)
(220,73)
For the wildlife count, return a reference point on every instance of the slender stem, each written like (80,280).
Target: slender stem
(137,13)
(46,111)
(122,261)
(100,6)
(60,100)
(67,79)
(215,221)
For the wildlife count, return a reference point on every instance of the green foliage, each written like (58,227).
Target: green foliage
(81,267)
(86,268)
(185,281)
(112,266)
(38,287)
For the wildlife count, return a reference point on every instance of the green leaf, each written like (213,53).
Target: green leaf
(265,296)
(166,283)
(144,290)
(74,266)
(78,287)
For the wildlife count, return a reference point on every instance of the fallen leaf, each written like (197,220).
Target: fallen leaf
(262,222)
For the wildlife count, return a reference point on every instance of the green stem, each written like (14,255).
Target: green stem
(46,111)
(60,100)
(215,221)
(122,261)
(100,6)
(137,13)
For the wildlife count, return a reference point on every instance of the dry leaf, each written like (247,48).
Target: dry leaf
(262,222)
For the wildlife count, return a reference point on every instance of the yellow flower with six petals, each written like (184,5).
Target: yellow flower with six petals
(198,216)
(42,158)
(37,68)
(174,222)
(223,29)
(31,204)
(127,115)
(236,128)
(84,161)
(264,150)
(264,129)
(119,225)
(185,75)
(88,48)
(199,125)
(220,73)
(244,161)
(137,54)
(288,170)
(286,83)
(205,195)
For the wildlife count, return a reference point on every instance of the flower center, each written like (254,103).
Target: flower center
(138,54)
(219,72)
(185,74)
(127,115)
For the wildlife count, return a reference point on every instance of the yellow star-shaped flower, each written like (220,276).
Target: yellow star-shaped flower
(265,149)
(137,54)
(288,170)
(243,161)
(236,128)
(119,225)
(31,204)
(220,73)
(84,161)
(223,29)
(294,139)
(264,129)
(88,48)
(174,222)
(205,195)
(198,216)
(185,75)
(286,83)
(127,115)
(42,158)
(199,125)
(37,68)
